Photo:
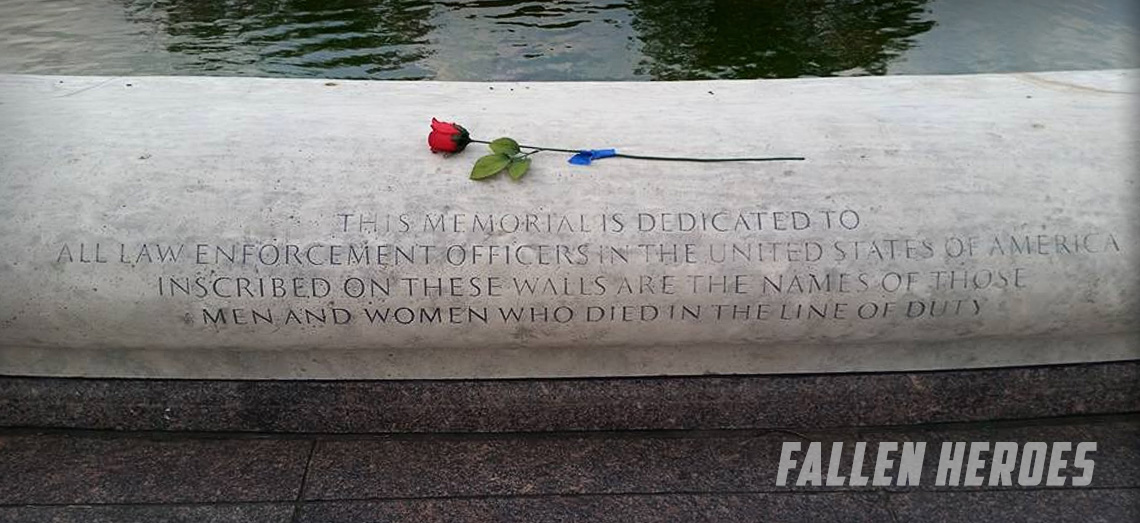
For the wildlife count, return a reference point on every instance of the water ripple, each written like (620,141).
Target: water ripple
(564,40)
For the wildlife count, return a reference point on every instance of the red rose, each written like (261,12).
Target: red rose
(447,137)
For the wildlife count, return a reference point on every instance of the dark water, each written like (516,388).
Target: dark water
(565,40)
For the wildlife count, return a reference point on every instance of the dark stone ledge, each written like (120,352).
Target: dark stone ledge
(649,463)
(70,469)
(1037,506)
(227,513)
(133,468)
(722,476)
(736,402)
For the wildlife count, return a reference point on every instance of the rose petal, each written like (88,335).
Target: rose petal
(443,127)
(441,142)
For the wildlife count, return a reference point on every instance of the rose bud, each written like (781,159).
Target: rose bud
(447,137)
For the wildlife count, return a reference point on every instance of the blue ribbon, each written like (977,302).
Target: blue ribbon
(586,156)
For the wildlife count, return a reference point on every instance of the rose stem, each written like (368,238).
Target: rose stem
(662,158)
(709,160)
(537,149)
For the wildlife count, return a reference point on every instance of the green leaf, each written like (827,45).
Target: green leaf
(518,168)
(505,146)
(489,165)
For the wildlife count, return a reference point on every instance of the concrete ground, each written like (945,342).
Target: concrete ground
(628,450)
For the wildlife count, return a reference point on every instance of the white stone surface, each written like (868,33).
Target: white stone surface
(981,162)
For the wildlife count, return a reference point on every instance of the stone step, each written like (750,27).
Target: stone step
(677,403)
